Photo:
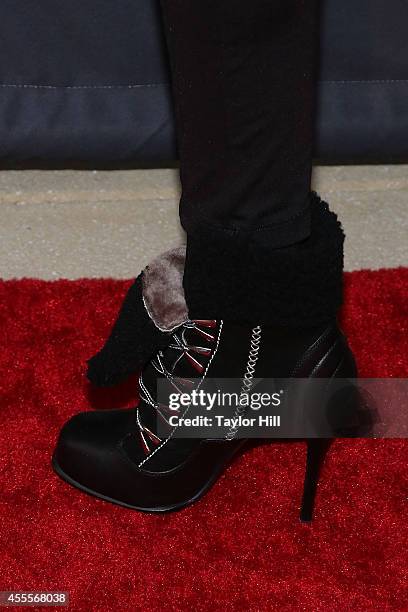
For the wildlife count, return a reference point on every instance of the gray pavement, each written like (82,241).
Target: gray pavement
(72,224)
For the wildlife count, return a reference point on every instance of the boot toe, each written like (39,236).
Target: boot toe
(88,451)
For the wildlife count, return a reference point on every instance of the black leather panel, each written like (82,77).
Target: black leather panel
(60,125)
(81,81)
(364,40)
(81,42)
(362,121)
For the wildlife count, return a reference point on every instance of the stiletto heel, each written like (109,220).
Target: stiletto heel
(316,452)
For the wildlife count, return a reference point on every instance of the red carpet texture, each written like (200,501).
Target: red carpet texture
(242,547)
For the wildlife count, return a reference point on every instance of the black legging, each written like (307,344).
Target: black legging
(243,78)
(243,83)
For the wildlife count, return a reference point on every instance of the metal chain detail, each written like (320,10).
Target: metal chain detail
(247,380)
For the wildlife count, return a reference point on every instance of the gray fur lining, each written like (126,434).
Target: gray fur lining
(163,293)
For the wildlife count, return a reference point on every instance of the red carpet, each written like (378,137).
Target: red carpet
(242,547)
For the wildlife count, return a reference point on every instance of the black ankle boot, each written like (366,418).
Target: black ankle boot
(119,455)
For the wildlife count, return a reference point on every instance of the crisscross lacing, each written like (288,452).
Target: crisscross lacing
(187,351)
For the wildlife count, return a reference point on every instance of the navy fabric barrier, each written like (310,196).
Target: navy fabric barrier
(86,81)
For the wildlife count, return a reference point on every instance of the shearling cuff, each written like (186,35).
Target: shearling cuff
(153,307)
(237,275)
